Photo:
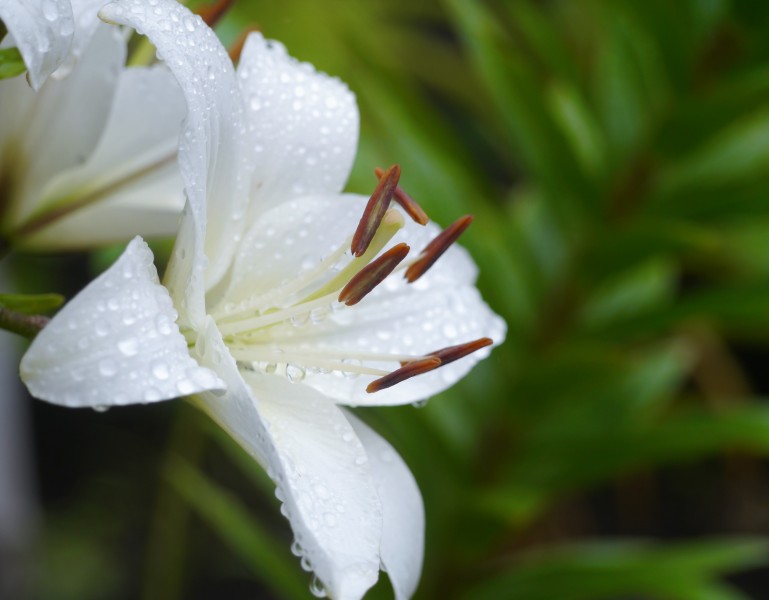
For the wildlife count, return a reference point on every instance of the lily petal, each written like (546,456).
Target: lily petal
(441,309)
(42,31)
(86,13)
(303,125)
(115,343)
(57,133)
(325,483)
(131,182)
(403,512)
(211,157)
(320,467)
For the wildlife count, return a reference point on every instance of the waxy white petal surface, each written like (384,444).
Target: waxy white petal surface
(42,30)
(302,125)
(115,343)
(211,157)
(58,132)
(324,481)
(403,526)
(131,182)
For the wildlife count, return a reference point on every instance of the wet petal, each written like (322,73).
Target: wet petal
(303,125)
(325,483)
(403,525)
(442,308)
(311,452)
(64,121)
(131,183)
(115,343)
(42,31)
(211,157)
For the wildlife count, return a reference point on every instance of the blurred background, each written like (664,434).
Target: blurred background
(615,154)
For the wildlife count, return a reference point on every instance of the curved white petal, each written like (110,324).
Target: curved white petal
(151,206)
(325,482)
(311,452)
(403,512)
(441,309)
(211,157)
(115,343)
(42,31)
(65,121)
(131,183)
(303,125)
(86,13)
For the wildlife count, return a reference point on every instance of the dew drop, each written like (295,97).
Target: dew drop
(50,12)
(185,387)
(107,367)
(160,371)
(129,346)
(300,319)
(102,328)
(101,408)
(316,588)
(295,373)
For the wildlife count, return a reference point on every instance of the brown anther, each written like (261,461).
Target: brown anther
(236,49)
(375,210)
(437,247)
(407,203)
(213,12)
(407,371)
(452,353)
(372,275)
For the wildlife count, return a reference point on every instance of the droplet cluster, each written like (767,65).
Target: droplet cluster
(302,125)
(118,344)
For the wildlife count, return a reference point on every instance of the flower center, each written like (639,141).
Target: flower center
(269,331)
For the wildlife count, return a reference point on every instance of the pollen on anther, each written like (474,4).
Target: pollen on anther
(437,247)
(407,203)
(452,353)
(372,275)
(375,210)
(409,370)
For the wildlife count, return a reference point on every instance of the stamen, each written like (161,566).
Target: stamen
(212,13)
(391,224)
(437,247)
(408,371)
(246,326)
(373,274)
(452,353)
(406,202)
(375,210)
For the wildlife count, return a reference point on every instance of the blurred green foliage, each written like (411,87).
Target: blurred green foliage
(615,154)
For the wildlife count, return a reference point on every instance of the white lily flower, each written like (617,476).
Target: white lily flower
(248,321)
(88,152)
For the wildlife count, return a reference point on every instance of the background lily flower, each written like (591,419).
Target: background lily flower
(88,155)
(248,320)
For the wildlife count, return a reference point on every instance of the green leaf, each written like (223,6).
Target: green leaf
(31,304)
(11,63)
(228,517)
(593,571)
(734,154)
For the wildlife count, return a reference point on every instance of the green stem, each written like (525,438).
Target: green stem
(25,325)
(167,543)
